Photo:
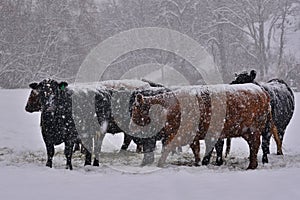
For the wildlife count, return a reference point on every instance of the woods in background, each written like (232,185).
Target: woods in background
(50,38)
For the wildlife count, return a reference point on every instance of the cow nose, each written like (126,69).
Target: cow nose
(27,109)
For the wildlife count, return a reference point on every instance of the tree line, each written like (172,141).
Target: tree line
(51,38)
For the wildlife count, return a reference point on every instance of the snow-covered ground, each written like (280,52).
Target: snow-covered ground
(23,174)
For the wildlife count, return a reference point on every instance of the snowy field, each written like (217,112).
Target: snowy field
(23,174)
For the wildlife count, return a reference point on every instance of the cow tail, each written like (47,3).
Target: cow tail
(274,132)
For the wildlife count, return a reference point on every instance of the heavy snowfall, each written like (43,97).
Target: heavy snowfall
(159,40)
(24,174)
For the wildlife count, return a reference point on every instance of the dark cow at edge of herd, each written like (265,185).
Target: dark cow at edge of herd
(246,108)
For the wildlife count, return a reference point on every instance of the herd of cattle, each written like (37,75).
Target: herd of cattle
(212,113)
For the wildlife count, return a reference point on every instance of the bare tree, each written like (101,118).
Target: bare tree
(40,39)
(43,39)
(257,20)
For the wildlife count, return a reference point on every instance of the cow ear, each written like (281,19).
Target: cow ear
(139,98)
(33,85)
(62,85)
(253,74)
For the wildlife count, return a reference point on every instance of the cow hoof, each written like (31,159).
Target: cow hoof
(122,151)
(205,161)
(69,167)
(87,163)
(219,161)
(49,164)
(96,163)
(148,159)
(279,153)
(265,159)
(161,165)
(144,163)
(254,166)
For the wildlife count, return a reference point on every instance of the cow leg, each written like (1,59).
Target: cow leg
(163,157)
(265,145)
(139,144)
(209,147)
(139,148)
(77,145)
(98,144)
(168,147)
(228,146)
(50,154)
(174,151)
(266,137)
(163,142)
(179,149)
(281,134)
(68,153)
(88,157)
(148,149)
(126,141)
(195,146)
(253,140)
(278,136)
(219,149)
(86,149)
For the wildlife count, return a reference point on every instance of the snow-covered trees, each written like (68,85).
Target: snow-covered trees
(43,38)
(264,23)
(40,39)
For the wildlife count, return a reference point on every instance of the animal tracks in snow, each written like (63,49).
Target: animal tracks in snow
(129,162)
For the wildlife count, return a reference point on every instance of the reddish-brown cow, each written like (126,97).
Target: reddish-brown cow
(244,111)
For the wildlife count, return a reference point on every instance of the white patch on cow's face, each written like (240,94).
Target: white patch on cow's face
(35,92)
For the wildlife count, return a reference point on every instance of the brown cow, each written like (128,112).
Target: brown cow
(244,112)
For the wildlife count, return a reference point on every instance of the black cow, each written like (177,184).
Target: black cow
(57,125)
(108,99)
(54,100)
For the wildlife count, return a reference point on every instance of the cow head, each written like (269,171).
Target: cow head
(43,95)
(33,103)
(244,77)
(140,111)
